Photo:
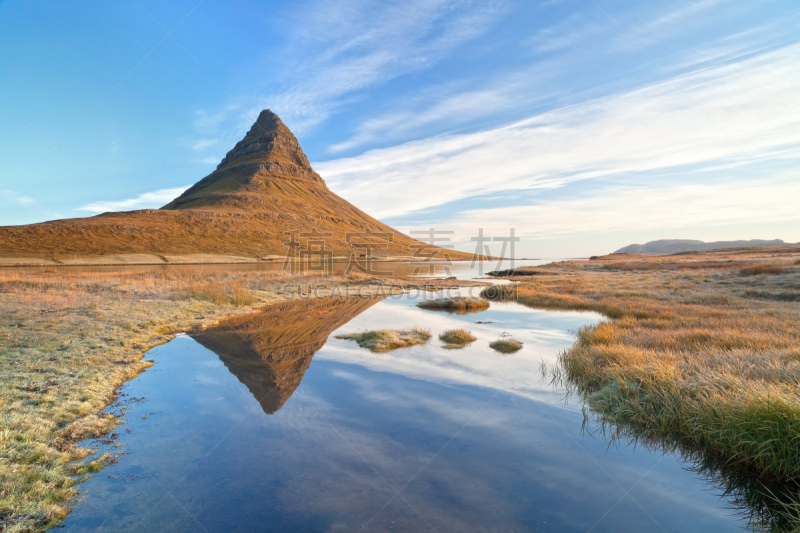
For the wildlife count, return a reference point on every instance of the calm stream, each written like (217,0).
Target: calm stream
(269,423)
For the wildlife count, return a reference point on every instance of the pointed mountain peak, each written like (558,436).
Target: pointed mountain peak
(267,119)
(269,153)
(269,140)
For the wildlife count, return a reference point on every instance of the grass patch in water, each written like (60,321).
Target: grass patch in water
(461,303)
(506,345)
(457,338)
(384,340)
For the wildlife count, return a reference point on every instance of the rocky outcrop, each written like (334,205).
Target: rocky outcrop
(270,139)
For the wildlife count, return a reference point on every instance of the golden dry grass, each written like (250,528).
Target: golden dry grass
(693,353)
(506,345)
(455,305)
(457,338)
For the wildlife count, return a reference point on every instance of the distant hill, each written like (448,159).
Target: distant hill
(263,187)
(672,246)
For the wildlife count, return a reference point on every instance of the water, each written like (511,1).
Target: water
(269,423)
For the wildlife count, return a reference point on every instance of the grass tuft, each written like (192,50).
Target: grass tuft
(506,345)
(231,293)
(457,338)
(459,304)
(384,340)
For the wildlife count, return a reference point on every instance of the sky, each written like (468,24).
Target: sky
(584,126)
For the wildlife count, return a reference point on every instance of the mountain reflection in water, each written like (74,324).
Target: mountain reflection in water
(410,440)
(269,352)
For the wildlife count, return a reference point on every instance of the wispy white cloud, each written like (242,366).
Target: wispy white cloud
(672,17)
(147,200)
(375,43)
(202,144)
(646,207)
(557,52)
(338,49)
(448,108)
(25,201)
(725,115)
(575,29)
(29,204)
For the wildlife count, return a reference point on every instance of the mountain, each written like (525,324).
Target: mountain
(672,246)
(269,352)
(263,171)
(263,188)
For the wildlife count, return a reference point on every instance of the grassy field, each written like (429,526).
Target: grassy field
(700,352)
(69,339)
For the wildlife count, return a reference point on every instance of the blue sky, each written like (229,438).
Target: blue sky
(584,125)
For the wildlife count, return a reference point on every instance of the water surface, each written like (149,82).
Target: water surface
(269,423)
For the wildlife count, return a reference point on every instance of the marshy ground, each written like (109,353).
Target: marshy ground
(69,339)
(700,352)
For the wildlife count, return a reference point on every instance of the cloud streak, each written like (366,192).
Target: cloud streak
(621,208)
(373,44)
(727,115)
(147,200)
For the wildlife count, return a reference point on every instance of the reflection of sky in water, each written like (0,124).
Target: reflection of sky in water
(542,333)
(453,431)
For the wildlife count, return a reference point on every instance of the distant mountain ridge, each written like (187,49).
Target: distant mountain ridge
(672,246)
